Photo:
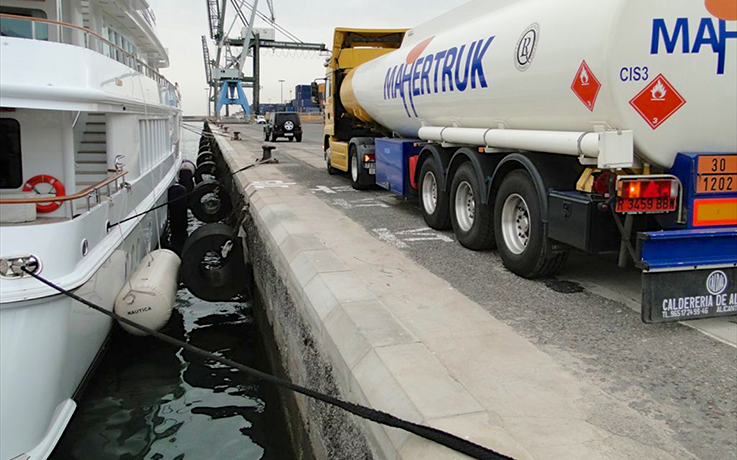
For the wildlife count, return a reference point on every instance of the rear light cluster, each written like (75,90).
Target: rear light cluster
(369,158)
(647,188)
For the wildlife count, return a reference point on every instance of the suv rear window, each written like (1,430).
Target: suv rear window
(282,117)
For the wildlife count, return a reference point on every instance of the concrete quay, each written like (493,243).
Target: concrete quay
(353,316)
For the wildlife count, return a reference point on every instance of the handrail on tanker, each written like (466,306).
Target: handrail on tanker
(150,71)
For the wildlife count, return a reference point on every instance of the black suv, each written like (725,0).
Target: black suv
(283,124)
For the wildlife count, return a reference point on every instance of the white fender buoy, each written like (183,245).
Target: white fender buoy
(148,298)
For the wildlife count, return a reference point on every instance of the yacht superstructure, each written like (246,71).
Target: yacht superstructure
(90,136)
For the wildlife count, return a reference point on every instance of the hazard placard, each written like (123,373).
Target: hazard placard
(658,102)
(586,86)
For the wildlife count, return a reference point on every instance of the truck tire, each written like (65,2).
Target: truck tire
(355,170)
(472,221)
(433,201)
(273,137)
(519,229)
(331,171)
(299,138)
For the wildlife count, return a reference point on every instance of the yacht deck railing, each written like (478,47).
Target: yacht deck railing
(121,55)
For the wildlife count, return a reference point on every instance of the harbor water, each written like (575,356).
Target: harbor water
(151,401)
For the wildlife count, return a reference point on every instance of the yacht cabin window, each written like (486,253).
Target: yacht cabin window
(11,168)
(23,29)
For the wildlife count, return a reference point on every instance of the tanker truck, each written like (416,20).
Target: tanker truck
(539,128)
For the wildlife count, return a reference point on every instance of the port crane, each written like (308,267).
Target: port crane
(224,73)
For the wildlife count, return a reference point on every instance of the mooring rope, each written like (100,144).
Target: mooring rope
(446,439)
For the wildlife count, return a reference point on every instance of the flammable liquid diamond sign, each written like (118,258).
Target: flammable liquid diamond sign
(586,86)
(658,102)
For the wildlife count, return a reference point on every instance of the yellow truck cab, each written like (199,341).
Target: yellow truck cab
(345,127)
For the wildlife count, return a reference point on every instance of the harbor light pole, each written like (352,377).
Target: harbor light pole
(282,91)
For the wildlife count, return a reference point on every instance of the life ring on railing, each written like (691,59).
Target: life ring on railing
(56,186)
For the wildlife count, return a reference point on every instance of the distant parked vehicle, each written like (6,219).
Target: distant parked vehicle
(283,124)
(261,120)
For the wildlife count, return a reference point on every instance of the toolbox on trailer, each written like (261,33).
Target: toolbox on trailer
(394,164)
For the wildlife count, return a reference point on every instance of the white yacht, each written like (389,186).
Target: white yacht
(89,136)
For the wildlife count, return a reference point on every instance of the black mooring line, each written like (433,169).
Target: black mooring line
(446,439)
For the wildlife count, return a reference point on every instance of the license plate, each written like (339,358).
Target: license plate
(645,205)
(372,169)
(717,174)
(289,134)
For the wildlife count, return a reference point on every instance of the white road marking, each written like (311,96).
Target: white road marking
(271,184)
(388,237)
(369,203)
(342,203)
(424,234)
(322,188)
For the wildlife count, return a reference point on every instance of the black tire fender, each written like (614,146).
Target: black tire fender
(210,202)
(209,156)
(205,168)
(213,267)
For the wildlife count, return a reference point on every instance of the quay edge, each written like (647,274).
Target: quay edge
(356,319)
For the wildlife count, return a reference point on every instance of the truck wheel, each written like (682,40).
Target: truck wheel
(520,234)
(331,171)
(355,170)
(434,202)
(299,138)
(273,137)
(473,221)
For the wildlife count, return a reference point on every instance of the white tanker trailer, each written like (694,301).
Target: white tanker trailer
(542,127)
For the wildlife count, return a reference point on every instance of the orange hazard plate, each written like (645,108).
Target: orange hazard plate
(717,174)
(645,205)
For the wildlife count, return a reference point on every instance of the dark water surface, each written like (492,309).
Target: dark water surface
(149,400)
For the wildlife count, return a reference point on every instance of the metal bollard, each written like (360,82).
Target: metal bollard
(236,135)
(267,149)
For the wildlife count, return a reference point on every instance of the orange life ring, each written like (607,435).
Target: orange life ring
(56,185)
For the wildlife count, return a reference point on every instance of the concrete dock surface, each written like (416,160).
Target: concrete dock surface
(401,318)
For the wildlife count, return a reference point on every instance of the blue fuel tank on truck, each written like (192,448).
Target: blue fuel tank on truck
(393,164)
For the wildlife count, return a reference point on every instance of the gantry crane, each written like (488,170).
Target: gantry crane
(224,74)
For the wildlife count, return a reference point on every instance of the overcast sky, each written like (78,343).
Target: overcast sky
(181,23)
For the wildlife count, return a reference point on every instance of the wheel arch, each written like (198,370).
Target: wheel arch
(483,166)
(547,171)
(441,156)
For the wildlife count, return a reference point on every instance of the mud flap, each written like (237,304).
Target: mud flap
(691,294)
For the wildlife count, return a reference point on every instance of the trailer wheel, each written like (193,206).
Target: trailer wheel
(434,202)
(519,229)
(473,221)
(355,170)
